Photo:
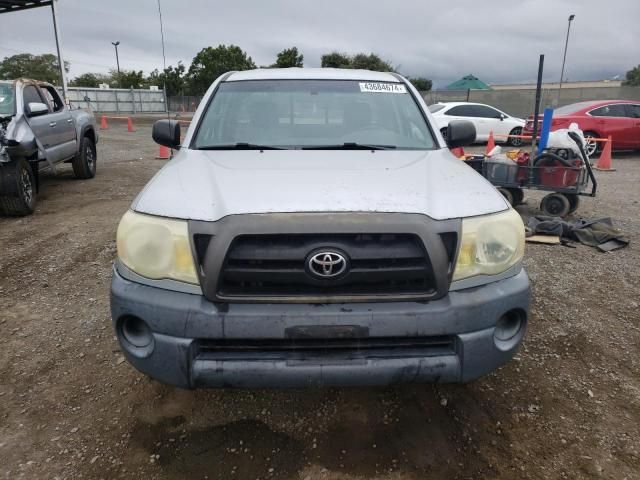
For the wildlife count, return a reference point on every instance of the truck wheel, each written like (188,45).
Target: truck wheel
(84,164)
(18,187)
(574,201)
(506,193)
(555,205)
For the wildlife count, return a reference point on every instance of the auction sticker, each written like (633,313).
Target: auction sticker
(376,87)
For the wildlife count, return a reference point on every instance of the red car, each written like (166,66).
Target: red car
(599,119)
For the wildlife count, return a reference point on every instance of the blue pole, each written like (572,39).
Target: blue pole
(546,128)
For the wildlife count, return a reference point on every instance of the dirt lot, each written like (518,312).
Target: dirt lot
(70,407)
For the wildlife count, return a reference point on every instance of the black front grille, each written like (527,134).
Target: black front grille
(277,266)
(326,348)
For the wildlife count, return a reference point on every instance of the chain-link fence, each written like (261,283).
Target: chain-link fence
(517,102)
(183,103)
(117,100)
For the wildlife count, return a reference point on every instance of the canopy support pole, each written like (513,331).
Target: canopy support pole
(63,75)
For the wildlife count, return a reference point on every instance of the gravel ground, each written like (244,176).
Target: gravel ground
(568,406)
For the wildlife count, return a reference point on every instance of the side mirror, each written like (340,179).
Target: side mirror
(167,133)
(36,108)
(460,133)
(502,117)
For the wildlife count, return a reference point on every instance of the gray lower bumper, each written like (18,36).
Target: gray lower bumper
(182,323)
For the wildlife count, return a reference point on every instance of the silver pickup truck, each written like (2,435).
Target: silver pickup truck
(38,131)
(315,229)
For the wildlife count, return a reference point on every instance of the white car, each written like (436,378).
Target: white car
(484,117)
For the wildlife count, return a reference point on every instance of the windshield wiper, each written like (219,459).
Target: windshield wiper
(240,146)
(350,146)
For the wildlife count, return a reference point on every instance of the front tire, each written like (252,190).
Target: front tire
(591,147)
(84,164)
(18,187)
(515,142)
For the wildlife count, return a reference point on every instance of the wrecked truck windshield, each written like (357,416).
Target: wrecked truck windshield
(315,114)
(7,99)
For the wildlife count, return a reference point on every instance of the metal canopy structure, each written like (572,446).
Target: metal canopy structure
(17,5)
(8,6)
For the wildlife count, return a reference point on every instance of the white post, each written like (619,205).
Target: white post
(63,74)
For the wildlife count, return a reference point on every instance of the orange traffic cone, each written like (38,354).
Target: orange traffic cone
(164,153)
(130,125)
(604,162)
(491,144)
(103,123)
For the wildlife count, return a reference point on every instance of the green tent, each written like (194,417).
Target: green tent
(468,82)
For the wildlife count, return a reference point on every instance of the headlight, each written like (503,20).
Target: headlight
(490,244)
(156,247)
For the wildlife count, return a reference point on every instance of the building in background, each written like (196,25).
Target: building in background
(584,84)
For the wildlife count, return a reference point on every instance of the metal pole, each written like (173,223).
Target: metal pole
(535,117)
(115,44)
(564,58)
(56,32)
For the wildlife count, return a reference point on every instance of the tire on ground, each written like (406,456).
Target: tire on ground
(518,196)
(574,201)
(18,188)
(555,205)
(84,164)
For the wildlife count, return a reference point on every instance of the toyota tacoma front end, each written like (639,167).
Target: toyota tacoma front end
(315,230)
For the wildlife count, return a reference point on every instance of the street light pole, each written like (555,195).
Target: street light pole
(564,58)
(115,44)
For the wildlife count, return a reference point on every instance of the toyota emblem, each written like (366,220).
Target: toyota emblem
(327,264)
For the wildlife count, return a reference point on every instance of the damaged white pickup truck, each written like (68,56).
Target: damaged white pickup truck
(38,131)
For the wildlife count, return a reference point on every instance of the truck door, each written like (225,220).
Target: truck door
(40,124)
(65,129)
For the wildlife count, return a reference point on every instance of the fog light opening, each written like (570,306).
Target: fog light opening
(136,336)
(509,325)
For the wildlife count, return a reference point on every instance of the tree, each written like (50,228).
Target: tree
(336,60)
(633,77)
(288,58)
(360,60)
(39,67)
(128,78)
(422,84)
(90,80)
(370,62)
(172,79)
(209,63)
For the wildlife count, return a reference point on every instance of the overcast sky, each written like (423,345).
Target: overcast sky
(497,40)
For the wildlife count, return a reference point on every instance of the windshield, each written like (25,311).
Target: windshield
(313,114)
(7,99)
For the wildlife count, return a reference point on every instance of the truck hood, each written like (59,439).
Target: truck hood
(209,185)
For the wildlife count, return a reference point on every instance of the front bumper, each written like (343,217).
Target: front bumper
(196,343)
